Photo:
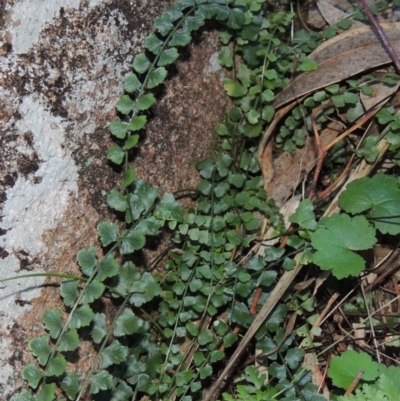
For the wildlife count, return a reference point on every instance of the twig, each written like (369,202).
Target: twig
(354,383)
(382,34)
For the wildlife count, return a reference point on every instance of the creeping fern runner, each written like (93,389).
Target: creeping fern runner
(172,331)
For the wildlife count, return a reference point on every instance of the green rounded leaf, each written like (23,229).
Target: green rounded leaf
(141,63)
(180,38)
(128,323)
(153,43)
(70,384)
(336,241)
(108,232)
(304,215)
(125,104)
(380,195)
(167,56)
(115,154)
(87,260)
(163,24)
(69,291)
(129,177)
(144,102)
(343,369)
(137,123)
(56,366)
(47,392)
(205,337)
(108,267)
(69,341)
(93,291)
(116,201)
(132,242)
(118,129)
(98,327)
(53,322)
(40,347)
(131,142)
(81,317)
(233,88)
(101,381)
(32,375)
(156,77)
(114,354)
(132,83)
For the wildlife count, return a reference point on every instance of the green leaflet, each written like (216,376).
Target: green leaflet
(379,196)
(70,384)
(100,381)
(336,241)
(344,369)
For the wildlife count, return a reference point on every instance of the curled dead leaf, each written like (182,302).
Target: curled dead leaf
(341,57)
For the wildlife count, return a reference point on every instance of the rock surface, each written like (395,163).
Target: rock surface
(62,64)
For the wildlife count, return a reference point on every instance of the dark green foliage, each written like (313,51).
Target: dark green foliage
(211,265)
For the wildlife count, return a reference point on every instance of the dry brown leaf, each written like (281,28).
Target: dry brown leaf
(266,145)
(381,92)
(291,168)
(333,13)
(341,57)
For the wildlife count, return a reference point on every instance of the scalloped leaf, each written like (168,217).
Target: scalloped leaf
(125,105)
(344,368)
(141,63)
(153,43)
(132,242)
(137,123)
(53,322)
(193,23)
(81,317)
(163,24)
(132,83)
(70,384)
(144,290)
(144,102)
(181,37)
(131,142)
(167,56)
(92,291)
(116,201)
(118,129)
(40,347)
(108,232)
(129,177)
(113,354)
(47,392)
(101,381)
(56,366)
(304,215)
(336,242)
(69,341)
(69,291)
(108,267)
(87,260)
(233,88)
(115,154)
(98,327)
(128,323)
(380,195)
(127,275)
(32,374)
(156,77)
(122,392)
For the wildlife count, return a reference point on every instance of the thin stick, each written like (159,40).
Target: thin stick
(354,383)
(382,34)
